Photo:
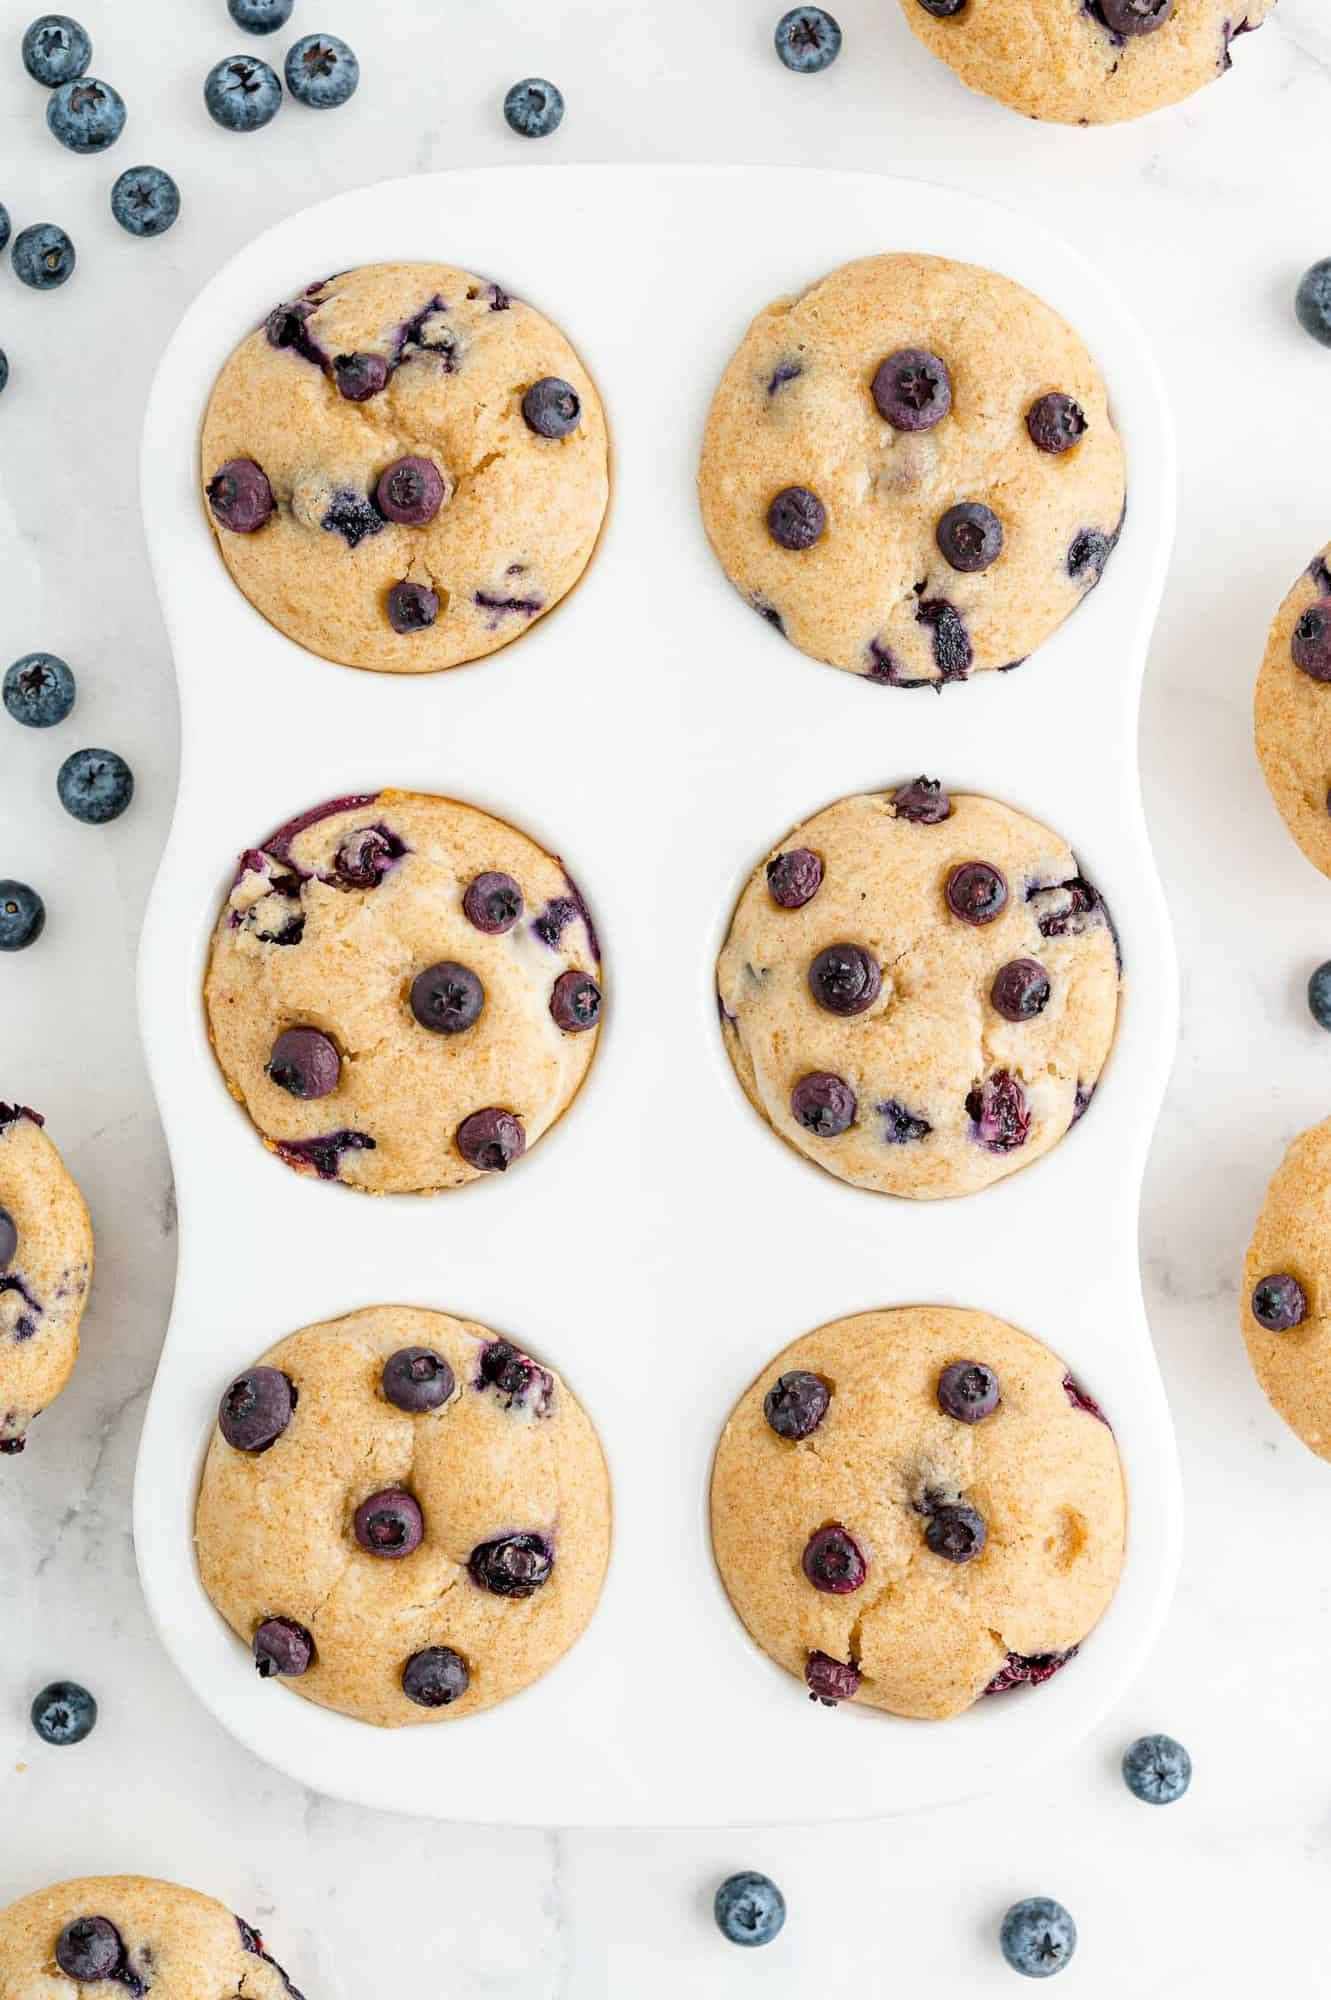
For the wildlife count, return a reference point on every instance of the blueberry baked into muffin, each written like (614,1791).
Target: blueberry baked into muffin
(405,467)
(403,992)
(46,1261)
(919,990)
(133,1936)
(1287,1286)
(910,470)
(1292,711)
(915,1508)
(403,1516)
(1085,62)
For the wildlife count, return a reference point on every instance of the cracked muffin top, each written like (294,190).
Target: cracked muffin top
(402,1515)
(911,1509)
(405,466)
(46,1261)
(919,990)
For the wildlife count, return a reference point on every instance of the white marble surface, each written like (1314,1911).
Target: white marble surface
(1204,216)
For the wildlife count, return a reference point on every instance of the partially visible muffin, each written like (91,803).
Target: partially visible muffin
(1286,1304)
(1292,711)
(46,1259)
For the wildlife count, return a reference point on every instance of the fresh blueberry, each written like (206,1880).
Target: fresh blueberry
(551,407)
(410,491)
(242,94)
(534,108)
(512,1565)
(968,1391)
(447,998)
(63,1713)
(830,1681)
(1312,301)
(845,979)
(956,1533)
(417,1379)
(1310,642)
(260,17)
(1000,1113)
(56,49)
(90,1949)
(1038,1937)
(85,115)
(575,1003)
(321,71)
(1020,990)
(240,496)
(970,536)
(1319,995)
(411,607)
(8,1239)
(1055,423)
(358,376)
(1135,17)
(808,39)
(923,801)
(281,1646)
(796,518)
(256,1409)
(1157,1770)
(749,1908)
(305,1063)
(976,892)
(145,201)
(491,1140)
(796,1404)
(492,902)
(22,915)
(1279,1303)
(832,1560)
(42,256)
(95,785)
(824,1104)
(435,1677)
(39,690)
(389,1524)
(794,878)
(912,389)
(4,225)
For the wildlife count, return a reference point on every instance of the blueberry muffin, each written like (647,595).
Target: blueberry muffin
(403,1515)
(405,466)
(133,1936)
(919,991)
(910,470)
(912,1509)
(402,991)
(1085,62)
(1292,711)
(1286,1300)
(45,1272)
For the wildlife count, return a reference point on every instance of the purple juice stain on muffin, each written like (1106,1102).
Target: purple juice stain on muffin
(287,326)
(278,843)
(411,336)
(560,912)
(999,1113)
(518,1381)
(768,613)
(901,1126)
(353,516)
(323,1154)
(1029,1670)
(1079,1400)
(785,371)
(499,607)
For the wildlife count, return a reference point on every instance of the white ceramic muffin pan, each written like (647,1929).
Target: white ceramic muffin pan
(661,1243)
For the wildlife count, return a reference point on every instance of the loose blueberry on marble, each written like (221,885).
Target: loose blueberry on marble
(242,94)
(85,115)
(1157,1770)
(575,1003)
(256,1409)
(389,1524)
(43,256)
(410,491)
(551,407)
(512,1565)
(796,518)
(823,1104)
(95,785)
(359,376)
(321,71)
(63,1713)
(970,536)
(1037,1937)
(1279,1303)
(1310,643)
(845,979)
(796,1404)
(260,17)
(808,39)
(794,879)
(534,108)
(1055,423)
(749,1908)
(417,1379)
(281,1646)
(411,607)
(830,1681)
(490,1140)
(968,1391)
(4,225)
(1312,301)
(56,49)
(923,801)
(1135,17)
(1020,990)
(1319,995)
(39,690)
(22,915)
(833,1562)
(447,997)
(912,389)
(999,1112)
(145,201)
(956,1533)
(240,496)
(976,892)
(492,902)
(435,1677)
(305,1063)
(90,1949)
(8,1239)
